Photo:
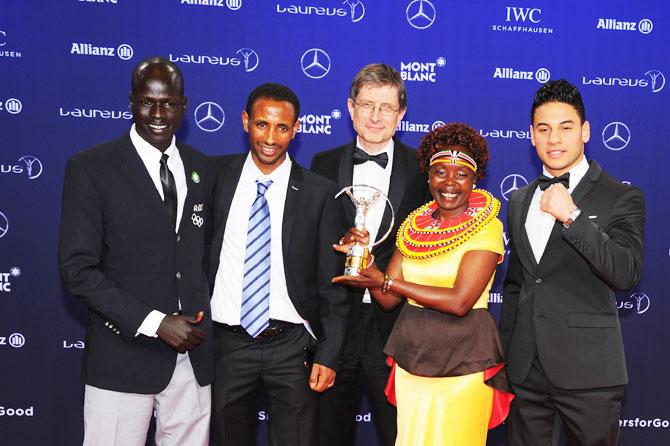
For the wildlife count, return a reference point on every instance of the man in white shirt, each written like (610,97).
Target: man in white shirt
(576,237)
(279,322)
(377,103)
(132,244)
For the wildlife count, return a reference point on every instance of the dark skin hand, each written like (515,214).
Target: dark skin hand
(180,333)
(474,273)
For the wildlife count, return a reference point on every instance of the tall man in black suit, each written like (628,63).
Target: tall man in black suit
(279,321)
(132,244)
(377,103)
(576,238)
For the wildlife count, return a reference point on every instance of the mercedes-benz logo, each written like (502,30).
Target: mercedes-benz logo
(250,59)
(124,51)
(420,14)
(436,124)
(4,225)
(357,9)
(511,183)
(542,75)
(657,80)
(33,166)
(315,63)
(209,116)
(616,135)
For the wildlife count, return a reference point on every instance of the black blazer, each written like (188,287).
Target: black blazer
(119,253)
(408,189)
(309,229)
(564,307)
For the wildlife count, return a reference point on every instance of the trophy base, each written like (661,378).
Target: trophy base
(358,258)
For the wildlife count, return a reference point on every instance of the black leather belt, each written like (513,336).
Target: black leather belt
(274,329)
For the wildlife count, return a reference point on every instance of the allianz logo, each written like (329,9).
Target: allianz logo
(211,60)
(541,75)
(203,2)
(94,113)
(123,51)
(505,134)
(645,26)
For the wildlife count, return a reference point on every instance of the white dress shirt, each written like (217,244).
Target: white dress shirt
(373,174)
(151,157)
(539,224)
(227,297)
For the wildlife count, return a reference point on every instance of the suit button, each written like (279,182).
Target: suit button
(178,238)
(178,275)
(538,280)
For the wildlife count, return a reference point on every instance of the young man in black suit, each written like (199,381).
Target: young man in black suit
(132,244)
(279,322)
(377,103)
(576,237)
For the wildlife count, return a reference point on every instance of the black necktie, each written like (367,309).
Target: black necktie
(169,189)
(564,179)
(361,156)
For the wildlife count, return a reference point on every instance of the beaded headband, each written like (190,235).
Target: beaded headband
(454,157)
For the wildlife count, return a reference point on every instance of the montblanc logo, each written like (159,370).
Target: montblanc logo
(522,20)
(505,133)
(5,52)
(94,113)
(6,279)
(123,51)
(318,124)
(421,71)
(645,26)
(355,10)
(245,58)
(654,79)
(233,5)
(541,75)
(27,164)
(418,127)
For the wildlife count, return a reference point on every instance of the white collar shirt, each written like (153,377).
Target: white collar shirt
(539,224)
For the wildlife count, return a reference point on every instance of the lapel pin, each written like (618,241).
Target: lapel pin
(195,176)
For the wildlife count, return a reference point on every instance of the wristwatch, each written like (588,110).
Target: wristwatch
(572,216)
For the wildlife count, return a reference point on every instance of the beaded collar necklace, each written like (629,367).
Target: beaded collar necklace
(422,236)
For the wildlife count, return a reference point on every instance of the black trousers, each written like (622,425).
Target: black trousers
(589,417)
(244,369)
(363,366)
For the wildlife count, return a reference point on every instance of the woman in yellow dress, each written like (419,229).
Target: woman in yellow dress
(448,380)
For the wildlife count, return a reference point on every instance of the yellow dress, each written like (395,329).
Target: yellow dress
(434,407)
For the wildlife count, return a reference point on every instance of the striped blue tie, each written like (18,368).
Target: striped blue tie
(255,315)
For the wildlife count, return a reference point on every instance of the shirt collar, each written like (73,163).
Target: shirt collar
(252,171)
(146,150)
(576,173)
(388,148)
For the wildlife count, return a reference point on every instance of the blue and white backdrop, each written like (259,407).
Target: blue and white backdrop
(65,67)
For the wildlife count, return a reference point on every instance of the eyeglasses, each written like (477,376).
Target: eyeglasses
(385,109)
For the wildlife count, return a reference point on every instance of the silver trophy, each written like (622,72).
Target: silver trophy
(363,197)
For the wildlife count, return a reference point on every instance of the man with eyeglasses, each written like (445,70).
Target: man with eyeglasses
(377,103)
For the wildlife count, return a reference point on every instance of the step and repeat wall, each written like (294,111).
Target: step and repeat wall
(65,76)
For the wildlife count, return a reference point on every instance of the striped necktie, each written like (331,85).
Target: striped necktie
(255,314)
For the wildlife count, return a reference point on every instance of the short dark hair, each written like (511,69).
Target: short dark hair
(455,134)
(276,92)
(160,63)
(559,91)
(379,74)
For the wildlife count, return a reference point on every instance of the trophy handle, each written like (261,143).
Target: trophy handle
(349,191)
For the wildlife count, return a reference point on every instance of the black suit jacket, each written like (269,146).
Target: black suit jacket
(564,307)
(309,229)
(120,254)
(408,190)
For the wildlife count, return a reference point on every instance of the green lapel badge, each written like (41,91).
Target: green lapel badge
(195,176)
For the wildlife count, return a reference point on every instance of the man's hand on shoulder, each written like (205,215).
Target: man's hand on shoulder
(180,332)
(321,378)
